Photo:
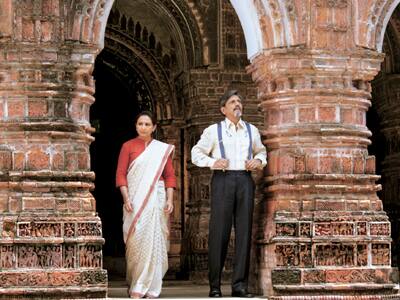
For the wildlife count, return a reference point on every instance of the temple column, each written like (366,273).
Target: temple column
(324,230)
(50,235)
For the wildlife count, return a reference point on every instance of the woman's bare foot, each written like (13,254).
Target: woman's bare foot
(136,296)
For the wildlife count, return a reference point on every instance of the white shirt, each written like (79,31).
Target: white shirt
(236,144)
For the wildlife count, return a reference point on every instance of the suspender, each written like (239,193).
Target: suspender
(221,144)
(250,155)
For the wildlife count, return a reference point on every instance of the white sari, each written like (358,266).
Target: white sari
(146,228)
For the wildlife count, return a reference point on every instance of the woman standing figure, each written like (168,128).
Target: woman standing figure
(146,179)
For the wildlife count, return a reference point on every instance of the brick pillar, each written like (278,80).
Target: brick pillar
(386,99)
(50,235)
(325,232)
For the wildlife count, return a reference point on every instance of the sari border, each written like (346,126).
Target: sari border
(146,199)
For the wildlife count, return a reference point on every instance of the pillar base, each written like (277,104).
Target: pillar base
(333,296)
(54,284)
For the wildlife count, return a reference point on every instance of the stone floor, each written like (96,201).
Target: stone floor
(171,290)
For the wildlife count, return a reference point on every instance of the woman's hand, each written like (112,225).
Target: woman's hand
(125,197)
(128,206)
(169,207)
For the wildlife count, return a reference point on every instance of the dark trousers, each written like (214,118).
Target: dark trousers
(232,201)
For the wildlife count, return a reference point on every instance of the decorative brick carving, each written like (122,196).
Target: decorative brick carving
(332,3)
(90,256)
(69,229)
(380,254)
(361,228)
(9,229)
(322,229)
(334,255)
(293,255)
(69,255)
(305,229)
(362,255)
(286,229)
(34,229)
(89,229)
(286,277)
(44,256)
(350,276)
(7,257)
(379,229)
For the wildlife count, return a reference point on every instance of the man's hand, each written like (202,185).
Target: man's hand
(221,164)
(253,164)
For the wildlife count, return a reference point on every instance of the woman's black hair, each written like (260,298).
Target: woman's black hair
(146,113)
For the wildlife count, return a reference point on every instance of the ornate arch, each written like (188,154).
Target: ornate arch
(86,20)
(193,32)
(271,24)
(142,60)
(371,25)
(391,48)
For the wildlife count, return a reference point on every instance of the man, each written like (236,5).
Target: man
(232,148)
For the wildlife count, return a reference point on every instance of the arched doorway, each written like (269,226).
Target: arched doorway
(165,45)
(144,66)
(120,95)
(384,122)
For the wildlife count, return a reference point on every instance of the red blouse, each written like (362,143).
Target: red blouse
(132,149)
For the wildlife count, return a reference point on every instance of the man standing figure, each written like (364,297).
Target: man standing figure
(232,148)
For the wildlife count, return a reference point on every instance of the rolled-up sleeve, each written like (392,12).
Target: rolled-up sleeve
(169,174)
(201,151)
(122,167)
(259,151)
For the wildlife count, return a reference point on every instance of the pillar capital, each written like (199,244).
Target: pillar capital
(280,70)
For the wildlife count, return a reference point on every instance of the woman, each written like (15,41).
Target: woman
(144,172)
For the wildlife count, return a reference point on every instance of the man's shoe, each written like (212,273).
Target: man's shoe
(215,293)
(242,294)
